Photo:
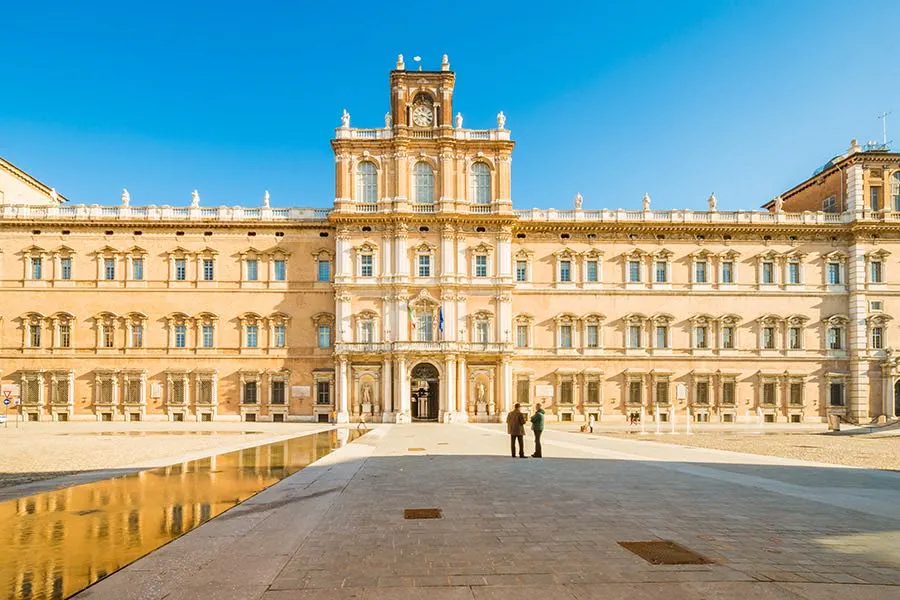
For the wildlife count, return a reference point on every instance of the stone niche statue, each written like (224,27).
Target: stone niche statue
(646,201)
(195,199)
(501,120)
(459,120)
(126,197)
(366,398)
(712,202)
(345,120)
(579,200)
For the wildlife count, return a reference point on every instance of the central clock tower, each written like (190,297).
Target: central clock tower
(422,99)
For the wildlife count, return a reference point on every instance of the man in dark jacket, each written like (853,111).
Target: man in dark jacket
(515,427)
(537,425)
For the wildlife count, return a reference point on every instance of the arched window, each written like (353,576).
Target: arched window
(481,183)
(895,190)
(423,176)
(366,183)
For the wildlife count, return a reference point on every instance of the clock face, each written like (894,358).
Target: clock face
(422,115)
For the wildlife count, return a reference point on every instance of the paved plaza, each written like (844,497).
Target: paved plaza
(529,528)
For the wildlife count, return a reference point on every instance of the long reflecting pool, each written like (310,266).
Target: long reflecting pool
(57,543)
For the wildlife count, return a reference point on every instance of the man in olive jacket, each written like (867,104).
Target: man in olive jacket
(515,427)
(537,425)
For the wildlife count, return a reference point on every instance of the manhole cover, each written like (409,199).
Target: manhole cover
(421,513)
(415,449)
(665,552)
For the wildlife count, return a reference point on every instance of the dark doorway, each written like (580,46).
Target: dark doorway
(897,399)
(425,391)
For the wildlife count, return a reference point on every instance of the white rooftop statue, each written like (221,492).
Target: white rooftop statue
(388,120)
(712,202)
(459,120)
(445,63)
(126,197)
(646,201)
(779,204)
(54,195)
(195,199)
(266,199)
(579,200)
(400,66)
(345,119)
(501,120)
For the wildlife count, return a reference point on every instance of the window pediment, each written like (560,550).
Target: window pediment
(770,255)
(836,320)
(523,254)
(592,254)
(702,254)
(424,248)
(636,254)
(322,254)
(323,318)
(179,251)
(208,252)
(279,317)
(565,253)
(879,254)
(524,319)
(635,318)
(424,299)
(366,248)
(663,254)
(64,251)
(136,251)
(207,316)
(836,255)
(250,252)
(482,248)
(769,319)
(730,319)
(566,318)
(730,255)
(662,318)
(136,316)
(593,318)
(702,319)
(178,316)
(797,319)
(879,319)
(33,251)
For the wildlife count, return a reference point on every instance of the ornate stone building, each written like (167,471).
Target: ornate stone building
(424,295)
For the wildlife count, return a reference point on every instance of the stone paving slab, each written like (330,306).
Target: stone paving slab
(529,528)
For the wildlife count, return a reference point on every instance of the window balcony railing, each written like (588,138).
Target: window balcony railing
(423,208)
(365,207)
(481,209)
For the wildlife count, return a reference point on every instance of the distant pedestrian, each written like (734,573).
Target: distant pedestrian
(515,427)
(591,423)
(537,425)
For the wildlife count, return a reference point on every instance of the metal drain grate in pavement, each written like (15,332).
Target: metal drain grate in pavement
(421,513)
(665,552)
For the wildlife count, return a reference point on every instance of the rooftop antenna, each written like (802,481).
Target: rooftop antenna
(883,117)
(418,61)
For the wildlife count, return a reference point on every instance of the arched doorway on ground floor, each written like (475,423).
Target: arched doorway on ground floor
(897,399)
(424,380)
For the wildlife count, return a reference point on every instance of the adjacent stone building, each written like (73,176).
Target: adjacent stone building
(424,295)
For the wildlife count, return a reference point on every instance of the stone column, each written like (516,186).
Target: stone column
(448,306)
(343,268)
(858,392)
(402,379)
(344,331)
(462,390)
(448,273)
(504,254)
(401,258)
(343,391)
(387,396)
(402,326)
(505,387)
(449,384)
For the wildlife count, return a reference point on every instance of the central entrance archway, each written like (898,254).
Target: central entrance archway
(425,381)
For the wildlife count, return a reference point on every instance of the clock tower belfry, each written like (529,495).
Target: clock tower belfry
(422,99)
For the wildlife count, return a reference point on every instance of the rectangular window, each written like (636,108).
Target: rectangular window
(367,331)
(661,272)
(180,269)
(728,272)
(279,335)
(424,265)
(565,271)
(324,336)
(834,338)
(700,336)
(207,331)
(728,392)
(280,269)
(634,336)
(522,336)
(702,392)
(137,335)
(635,392)
(700,268)
(482,331)
(793,273)
(834,273)
(877,338)
(323,392)
(365,265)
(836,393)
(481,266)
(37,268)
(109,269)
(875,271)
(65,336)
(593,336)
(425,327)
(593,392)
(523,392)
(178,392)
(634,271)
(181,336)
(252,269)
(768,338)
(278,391)
(565,392)
(108,336)
(249,392)
(662,336)
(521,270)
(591,273)
(65,268)
(662,391)
(137,269)
(829,205)
(796,394)
(874,198)
(565,336)
(252,336)
(209,269)
(794,342)
(324,272)
(728,337)
(768,393)
(768,272)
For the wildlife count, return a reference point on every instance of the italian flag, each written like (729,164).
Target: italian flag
(412,319)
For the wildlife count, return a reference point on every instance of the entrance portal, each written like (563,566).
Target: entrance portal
(897,399)
(425,390)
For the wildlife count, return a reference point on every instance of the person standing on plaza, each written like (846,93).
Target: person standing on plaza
(515,427)
(537,425)
(591,423)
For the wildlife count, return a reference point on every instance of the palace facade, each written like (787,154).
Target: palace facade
(423,294)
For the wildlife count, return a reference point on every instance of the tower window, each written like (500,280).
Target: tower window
(423,176)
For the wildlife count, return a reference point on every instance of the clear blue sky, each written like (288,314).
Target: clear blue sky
(613,99)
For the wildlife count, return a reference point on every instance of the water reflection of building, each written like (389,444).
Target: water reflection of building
(58,542)
(422,294)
